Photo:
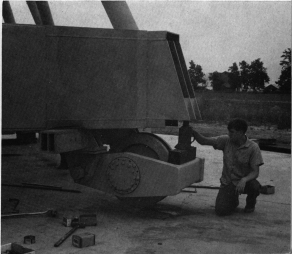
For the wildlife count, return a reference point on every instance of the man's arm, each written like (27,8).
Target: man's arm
(204,140)
(252,175)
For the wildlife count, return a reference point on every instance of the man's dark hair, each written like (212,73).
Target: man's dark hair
(238,125)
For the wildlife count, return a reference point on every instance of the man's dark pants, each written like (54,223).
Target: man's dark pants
(227,198)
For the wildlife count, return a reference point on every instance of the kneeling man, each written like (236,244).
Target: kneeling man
(241,161)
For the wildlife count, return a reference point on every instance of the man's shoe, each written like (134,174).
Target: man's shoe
(249,209)
(250,204)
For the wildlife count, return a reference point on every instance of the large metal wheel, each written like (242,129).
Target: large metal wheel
(149,145)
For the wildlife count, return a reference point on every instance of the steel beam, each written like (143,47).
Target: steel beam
(34,12)
(45,13)
(7,13)
(120,15)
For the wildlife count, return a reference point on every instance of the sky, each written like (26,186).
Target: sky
(214,34)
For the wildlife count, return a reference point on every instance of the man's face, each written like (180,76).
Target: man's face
(235,136)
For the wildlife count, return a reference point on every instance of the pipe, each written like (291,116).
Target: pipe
(34,12)
(45,13)
(120,15)
(7,13)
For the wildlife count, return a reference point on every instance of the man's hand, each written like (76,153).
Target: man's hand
(202,140)
(241,185)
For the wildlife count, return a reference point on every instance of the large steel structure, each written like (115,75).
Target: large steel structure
(89,91)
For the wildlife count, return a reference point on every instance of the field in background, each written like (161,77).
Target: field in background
(210,129)
(258,109)
(268,115)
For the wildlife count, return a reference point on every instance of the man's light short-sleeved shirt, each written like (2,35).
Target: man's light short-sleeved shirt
(237,161)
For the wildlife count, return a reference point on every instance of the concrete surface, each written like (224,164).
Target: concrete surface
(185,223)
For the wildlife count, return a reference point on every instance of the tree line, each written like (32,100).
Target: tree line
(245,77)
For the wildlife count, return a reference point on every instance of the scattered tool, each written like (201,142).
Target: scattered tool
(199,187)
(69,218)
(190,191)
(29,239)
(49,213)
(83,240)
(88,219)
(61,240)
(267,189)
(42,187)
(203,187)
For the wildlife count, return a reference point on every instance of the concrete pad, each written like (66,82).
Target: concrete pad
(185,223)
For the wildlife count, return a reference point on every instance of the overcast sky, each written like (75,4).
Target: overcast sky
(212,34)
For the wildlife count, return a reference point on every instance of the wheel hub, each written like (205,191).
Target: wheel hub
(123,175)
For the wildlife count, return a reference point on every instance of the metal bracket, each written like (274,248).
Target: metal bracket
(67,140)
